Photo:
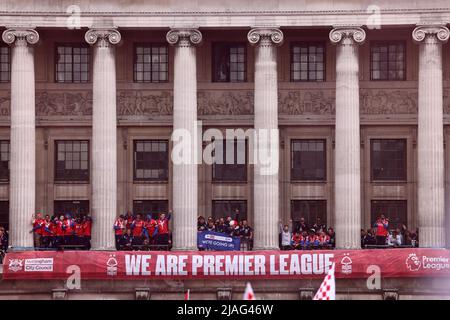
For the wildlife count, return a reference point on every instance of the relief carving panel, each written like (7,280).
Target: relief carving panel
(225,102)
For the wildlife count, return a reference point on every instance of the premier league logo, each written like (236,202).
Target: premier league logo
(15,265)
(413,262)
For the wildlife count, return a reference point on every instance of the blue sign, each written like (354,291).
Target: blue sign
(210,240)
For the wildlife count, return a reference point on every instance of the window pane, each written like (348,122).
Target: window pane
(72,160)
(388,159)
(311,66)
(308,160)
(151,63)
(151,160)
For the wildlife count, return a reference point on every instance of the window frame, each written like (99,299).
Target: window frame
(214,179)
(308,44)
(405,160)
(324,218)
(73,45)
(58,180)
(228,45)
(8,49)
(151,180)
(387,43)
(325,151)
(150,45)
(2,141)
(232,214)
(373,214)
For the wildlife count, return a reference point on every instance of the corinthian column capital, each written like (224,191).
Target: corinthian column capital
(22,35)
(184,37)
(265,36)
(103,37)
(431,34)
(347,35)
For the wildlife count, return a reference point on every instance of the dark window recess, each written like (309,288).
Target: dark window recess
(151,160)
(4,214)
(224,208)
(72,63)
(72,160)
(387,61)
(308,160)
(395,210)
(5,64)
(76,208)
(229,62)
(4,161)
(151,63)
(152,207)
(310,210)
(308,62)
(388,159)
(231,166)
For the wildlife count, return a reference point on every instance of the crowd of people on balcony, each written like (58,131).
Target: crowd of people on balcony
(227,225)
(134,232)
(383,235)
(301,236)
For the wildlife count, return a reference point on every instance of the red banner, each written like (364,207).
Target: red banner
(156,265)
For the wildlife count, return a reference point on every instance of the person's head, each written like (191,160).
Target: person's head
(121,217)
(221,220)
(210,223)
(2,231)
(330,231)
(138,217)
(304,233)
(47,217)
(68,216)
(38,215)
(61,217)
(244,222)
(129,213)
(382,217)
(363,232)
(149,217)
(302,220)
(129,232)
(285,228)
(229,218)
(397,231)
(162,216)
(319,220)
(201,219)
(369,232)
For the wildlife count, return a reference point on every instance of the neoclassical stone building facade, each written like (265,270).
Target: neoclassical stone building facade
(359,91)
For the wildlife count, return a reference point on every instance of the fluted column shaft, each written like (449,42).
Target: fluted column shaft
(430,154)
(266,184)
(185,172)
(104,137)
(22,185)
(347,138)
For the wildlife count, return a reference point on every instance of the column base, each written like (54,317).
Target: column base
(265,248)
(184,249)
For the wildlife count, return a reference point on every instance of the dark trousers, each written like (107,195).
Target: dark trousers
(381,240)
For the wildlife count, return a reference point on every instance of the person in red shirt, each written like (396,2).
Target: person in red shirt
(47,232)
(87,231)
(137,228)
(150,229)
(78,232)
(69,230)
(381,226)
(296,240)
(37,223)
(59,231)
(119,229)
(129,218)
(162,230)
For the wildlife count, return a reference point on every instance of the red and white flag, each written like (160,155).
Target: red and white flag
(249,294)
(327,290)
(187,295)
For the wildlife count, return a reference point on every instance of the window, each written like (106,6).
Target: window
(151,160)
(308,62)
(310,210)
(153,207)
(4,214)
(4,161)
(5,64)
(308,160)
(388,159)
(224,208)
(387,61)
(395,210)
(72,63)
(231,166)
(76,208)
(151,63)
(229,62)
(72,160)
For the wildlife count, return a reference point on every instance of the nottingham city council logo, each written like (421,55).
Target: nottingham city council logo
(15,265)
(413,262)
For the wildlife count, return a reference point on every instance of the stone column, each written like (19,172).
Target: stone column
(430,152)
(23,141)
(185,171)
(104,137)
(347,189)
(266,185)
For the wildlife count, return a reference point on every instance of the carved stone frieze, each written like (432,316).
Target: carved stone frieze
(388,101)
(306,102)
(225,102)
(138,103)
